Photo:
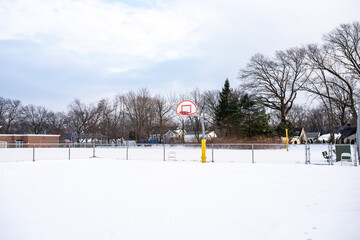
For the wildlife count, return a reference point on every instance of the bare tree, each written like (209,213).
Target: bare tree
(121,124)
(11,113)
(57,123)
(297,115)
(316,118)
(140,110)
(113,118)
(320,86)
(339,61)
(342,103)
(106,109)
(2,113)
(211,98)
(276,80)
(163,108)
(344,44)
(83,119)
(35,119)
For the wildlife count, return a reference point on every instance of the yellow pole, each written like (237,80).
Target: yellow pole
(203,150)
(287,140)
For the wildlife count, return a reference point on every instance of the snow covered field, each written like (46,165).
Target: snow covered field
(102,198)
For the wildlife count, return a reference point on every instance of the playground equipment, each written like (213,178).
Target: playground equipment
(187,108)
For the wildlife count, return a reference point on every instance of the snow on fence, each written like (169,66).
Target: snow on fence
(235,153)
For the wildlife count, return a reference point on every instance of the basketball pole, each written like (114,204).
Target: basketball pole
(203,141)
(287,139)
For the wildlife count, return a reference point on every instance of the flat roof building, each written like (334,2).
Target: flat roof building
(28,140)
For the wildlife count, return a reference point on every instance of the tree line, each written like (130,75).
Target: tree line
(329,72)
(263,104)
(135,115)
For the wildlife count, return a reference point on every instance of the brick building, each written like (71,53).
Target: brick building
(28,140)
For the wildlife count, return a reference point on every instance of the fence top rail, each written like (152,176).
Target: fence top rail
(168,144)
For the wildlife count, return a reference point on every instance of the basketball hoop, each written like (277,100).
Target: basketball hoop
(186,108)
(184,113)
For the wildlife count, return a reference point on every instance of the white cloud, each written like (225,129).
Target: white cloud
(103,29)
(117,37)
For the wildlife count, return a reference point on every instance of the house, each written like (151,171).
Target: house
(350,139)
(325,138)
(348,134)
(191,137)
(28,140)
(312,136)
(174,136)
(195,138)
(299,136)
(343,134)
(211,136)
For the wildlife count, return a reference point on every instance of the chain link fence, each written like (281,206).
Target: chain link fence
(232,153)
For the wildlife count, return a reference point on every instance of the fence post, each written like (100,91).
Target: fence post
(307,153)
(212,152)
(355,158)
(33,152)
(252,152)
(94,151)
(69,151)
(164,151)
(127,151)
(331,154)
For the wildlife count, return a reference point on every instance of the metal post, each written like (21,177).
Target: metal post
(331,154)
(355,159)
(69,151)
(307,153)
(203,141)
(164,151)
(287,139)
(212,153)
(203,150)
(252,153)
(94,151)
(33,152)
(202,126)
(127,150)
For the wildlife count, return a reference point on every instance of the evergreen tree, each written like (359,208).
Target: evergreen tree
(283,125)
(222,110)
(253,120)
(240,115)
(226,109)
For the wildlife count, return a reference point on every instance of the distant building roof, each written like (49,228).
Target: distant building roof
(297,132)
(344,131)
(348,131)
(312,134)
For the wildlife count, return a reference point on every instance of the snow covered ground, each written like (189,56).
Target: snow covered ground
(102,198)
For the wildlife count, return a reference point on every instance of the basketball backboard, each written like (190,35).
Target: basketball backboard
(186,107)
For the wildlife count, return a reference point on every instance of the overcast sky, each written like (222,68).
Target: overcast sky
(53,51)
